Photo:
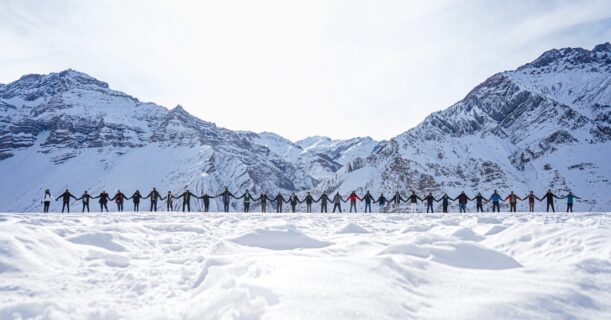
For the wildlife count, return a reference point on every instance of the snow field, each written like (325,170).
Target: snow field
(305,266)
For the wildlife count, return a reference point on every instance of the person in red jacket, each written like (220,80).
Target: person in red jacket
(353,197)
(513,201)
(118,199)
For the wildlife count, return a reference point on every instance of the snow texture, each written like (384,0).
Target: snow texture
(288,266)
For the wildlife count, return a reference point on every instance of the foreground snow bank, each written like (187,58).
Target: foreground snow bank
(313,266)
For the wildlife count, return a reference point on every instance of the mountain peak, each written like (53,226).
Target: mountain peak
(603,47)
(571,57)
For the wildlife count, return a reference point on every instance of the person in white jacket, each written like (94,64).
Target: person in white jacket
(46,200)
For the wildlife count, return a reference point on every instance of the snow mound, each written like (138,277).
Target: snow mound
(467,234)
(456,254)
(488,220)
(279,238)
(416,228)
(494,230)
(351,228)
(97,239)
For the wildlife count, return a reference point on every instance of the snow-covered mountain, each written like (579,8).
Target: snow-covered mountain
(545,124)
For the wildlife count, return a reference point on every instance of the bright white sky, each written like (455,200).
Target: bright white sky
(297,68)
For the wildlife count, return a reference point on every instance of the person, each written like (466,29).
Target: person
(479,202)
(513,201)
(382,202)
(154,195)
(531,201)
(496,201)
(293,200)
(85,198)
(118,199)
(445,201)
(429,202)
(186,200)
(103,200)
(323,202)
(396,199)
(368,198)
(413,199)
(352,198)
(308,200)
(66,200)
(462,202)
(206,197)
(136,199)
(337,202)
(169,201)
(570,198)
(225,197)
(549,196)
(263,198)
(279,199)
(247,198)
(46,200)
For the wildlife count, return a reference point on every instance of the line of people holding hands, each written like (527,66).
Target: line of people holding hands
(293,200)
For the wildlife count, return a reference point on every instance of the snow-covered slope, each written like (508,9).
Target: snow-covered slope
(544,125)
(305,266)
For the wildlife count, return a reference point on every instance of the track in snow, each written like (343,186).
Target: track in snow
(312,266)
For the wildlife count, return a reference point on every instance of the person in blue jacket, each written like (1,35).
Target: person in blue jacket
(570,199)
(496,201)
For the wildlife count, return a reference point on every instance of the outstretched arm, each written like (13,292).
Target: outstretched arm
(148,196)
(555,196)
(576,197)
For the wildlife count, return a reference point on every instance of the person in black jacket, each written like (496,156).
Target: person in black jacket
(226,198)
(85,198)
(294,200)
(462,202)
(368,198)
(429,202)
(206,199)
(186,200)
(397,199)
(118,199)
(479,202)
(382,202)
(308,201)
(155,196)
(445,201)
(549,196)
(169,201)
(136,199)
(279,202)
(324,199)
(263,198)
(66,200)
(247,198)
(103,200)
(413,199)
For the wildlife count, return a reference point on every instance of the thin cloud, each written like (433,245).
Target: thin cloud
(340,68)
